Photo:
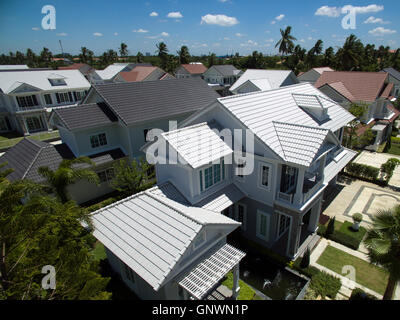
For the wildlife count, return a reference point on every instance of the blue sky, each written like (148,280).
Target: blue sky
(220,26)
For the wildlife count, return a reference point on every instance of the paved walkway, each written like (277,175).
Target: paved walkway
(347,284)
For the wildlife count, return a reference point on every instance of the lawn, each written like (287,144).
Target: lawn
(8,140)
(246,292)
(394,147)
(368,275)
(346,228)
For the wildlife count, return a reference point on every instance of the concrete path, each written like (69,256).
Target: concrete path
(347,284)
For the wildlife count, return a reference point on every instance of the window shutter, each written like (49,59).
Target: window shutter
(58,98)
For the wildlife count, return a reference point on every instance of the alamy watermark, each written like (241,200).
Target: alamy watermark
(49,280)
(49,20)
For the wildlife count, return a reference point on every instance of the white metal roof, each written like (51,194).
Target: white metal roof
(200,280)
(150,233)
(9,81)
(337,164)
(262,84)
(111,71)
(258,110)
(221,199)
(198,145)
(13,67)
(168,190)
(274,77)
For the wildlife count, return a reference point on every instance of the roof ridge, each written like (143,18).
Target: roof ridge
(300,125)
(34,159)
(280,143)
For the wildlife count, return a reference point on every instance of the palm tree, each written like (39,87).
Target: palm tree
(123,50)
(351,53)
(286,44)
(383,244)
(184,55)
(45,55)
(162,52)
(139,57)
(68,173)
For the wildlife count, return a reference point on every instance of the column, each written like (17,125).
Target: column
(235,288)
(315,213)
(298,197)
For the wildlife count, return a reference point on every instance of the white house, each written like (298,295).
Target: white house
(28,96)
(223,75)
(286,150)
(253,80)
(313,75)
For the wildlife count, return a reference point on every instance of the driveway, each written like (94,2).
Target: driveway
(376,160)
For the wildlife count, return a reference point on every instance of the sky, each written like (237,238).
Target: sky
(218,26)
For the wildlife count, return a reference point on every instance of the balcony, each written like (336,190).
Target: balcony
(30,109)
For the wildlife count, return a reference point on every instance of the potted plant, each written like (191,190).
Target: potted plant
(357,218)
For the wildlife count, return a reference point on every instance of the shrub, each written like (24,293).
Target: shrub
(325,285)
(358,294)
(345,239)
(363,171)
(331,227)
(357,217)
(389,167)
(321,230)
(305,261)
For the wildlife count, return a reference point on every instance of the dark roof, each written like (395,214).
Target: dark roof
(85,116)
(226,69)
(137,102)
(393,72)
(29,155)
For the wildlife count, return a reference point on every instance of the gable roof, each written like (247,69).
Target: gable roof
(198,145)
(74,79)
(393,72)
(82,67)
(321,70)
(85,116)
(275,78)
(258,111)
(226,69)
(194,68)
(363,86)
(151,233)
(135,102)
(112,70)
(138,73)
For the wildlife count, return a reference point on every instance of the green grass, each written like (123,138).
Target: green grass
(368,275)
(346,228)
(394,149)
(11,139)
(246,292)
(99,252)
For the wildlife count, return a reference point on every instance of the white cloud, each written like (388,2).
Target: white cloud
(302,40)
(220,20)
(249,43)
(62,34)
(239,35)
(380,31)
(35,29)
(227,39)
(280,17)
(98,34)
(165,34)
(217,44)
(175,15)
(115,33)
(154,14)
(223,1)
(140,31)
(333,12)
(375,20)
(362,10)
(269,40)
(273,22)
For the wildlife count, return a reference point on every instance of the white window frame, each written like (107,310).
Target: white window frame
(260,172)
(279,224)
(97,136)
(243,227)
(39,119)
(258,225)
(109,176)
(203,176)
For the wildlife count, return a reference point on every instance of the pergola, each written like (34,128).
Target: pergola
(207,274)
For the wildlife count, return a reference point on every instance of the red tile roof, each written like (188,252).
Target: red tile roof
(363,86)
(137,74)
(196,68)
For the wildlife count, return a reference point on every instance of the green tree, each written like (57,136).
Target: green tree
(162,52)
(350,56)
(286,44)
(184,55)
(383,245)
(358,111)
(45,55)
(68,172)
(139,57)
(212,60)
(329,57)
(331,227)
(123,49)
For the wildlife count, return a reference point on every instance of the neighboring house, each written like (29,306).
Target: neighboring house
(313,75)
(274,189)
(84,68)
(119,115)
(111,72)
(26,97)
(143,73)
(191,70)
(372,89)
(223,75)
(13,67)
(253,80)
(166,249)
(394,77)
(64,60)
(27,156)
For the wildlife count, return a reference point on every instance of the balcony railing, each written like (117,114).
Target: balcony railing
(33,108)
(285,197)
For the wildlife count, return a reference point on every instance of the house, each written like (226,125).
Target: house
(143,73)
(120,115)
(13,67)
(253,80)
(84,68)
(27,97)
(191,70)
(223,75)
(372,89)
(163,248)
(111,72)
(28,155)
(313,74)
(263,159)
(394,77)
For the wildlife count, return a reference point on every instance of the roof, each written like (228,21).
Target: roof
(363,86)
(82,67)
(222,199)
(322,69)
(393,72)
(85,116)
(112,70)
(198,145)
(13,66)
(194,68)
(388,89)
(226,69)
(74,79)
(135,102)
(275,78)
(341,89)
(138,73)
(150,233)
(338,163)
(259,110)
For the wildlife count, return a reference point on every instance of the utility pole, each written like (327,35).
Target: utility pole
(62,51)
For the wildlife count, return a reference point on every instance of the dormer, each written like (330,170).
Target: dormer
(56,80)
(315,105)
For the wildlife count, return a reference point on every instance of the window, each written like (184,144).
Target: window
(98,140)
(106,175)
(284,224)
(78,95)
(64,97)
(289,177)
(264,176)
(129,273)
(263,225)
(34,124)
(241,215)
(57,82)
(47,98)
(240,170)
(28,101)
(212,175)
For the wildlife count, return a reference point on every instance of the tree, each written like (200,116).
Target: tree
(286,44)
(184,55)
(305,261)
(358,111)
(45,55)
(383,245)
(139,57)
(44,232)
(67,173)
(123,50)
(350,56)
(162,52)
(86,55)
(130,178)
(329,57)
(212,60)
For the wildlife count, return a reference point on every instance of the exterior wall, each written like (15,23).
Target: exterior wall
(214,77)
(396,82)
(246,87)
(84,191)
(335,96)
(69,138)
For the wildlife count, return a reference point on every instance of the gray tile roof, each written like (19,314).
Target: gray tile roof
(143,101)
(85,116)
(226,69)
(393,72)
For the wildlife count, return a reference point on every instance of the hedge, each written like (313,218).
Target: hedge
(358,294)
(344,235)
(389,167)
(363,171)
(345,239)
